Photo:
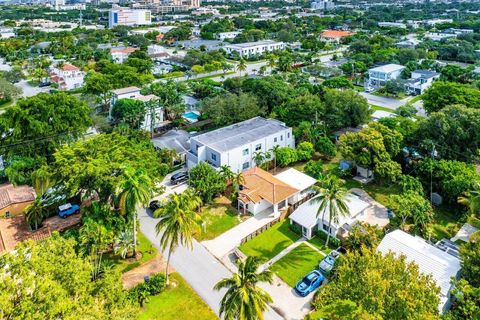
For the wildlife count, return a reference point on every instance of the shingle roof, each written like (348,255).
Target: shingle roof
(261,185)
(241,133)
(12,195)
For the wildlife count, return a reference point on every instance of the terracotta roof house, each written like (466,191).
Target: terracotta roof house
(120,55)
(263,191)
(67,76)
(15,199)
(335,35)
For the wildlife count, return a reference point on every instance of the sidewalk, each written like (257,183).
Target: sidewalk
(226,242)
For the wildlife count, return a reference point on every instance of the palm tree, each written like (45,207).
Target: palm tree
(242,66)
(258,157)
(332,198)
(471,199)
(226,173)
(178,222)
(35,212)
(273,152)
(136,189)
(244,300)
(123,243)
(272,61)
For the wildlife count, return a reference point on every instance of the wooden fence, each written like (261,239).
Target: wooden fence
(261,230)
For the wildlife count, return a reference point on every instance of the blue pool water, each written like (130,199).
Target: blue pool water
(191,116)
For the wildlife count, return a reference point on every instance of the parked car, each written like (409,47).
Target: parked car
(327,264)
(310,282)
(68,209)
(179,177)
(155,205)
(44,84)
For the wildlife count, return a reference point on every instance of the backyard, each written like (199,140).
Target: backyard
(176,302)
(271,242)
(296,264)
(218,218)
(144,247)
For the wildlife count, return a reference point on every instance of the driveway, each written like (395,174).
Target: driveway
(171,188)
(229,240)
(197,266)
(28,90)
(385,102)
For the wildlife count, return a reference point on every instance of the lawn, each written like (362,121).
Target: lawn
(296,264)
(217,218)
(147,250)
(179,302)
(446,222)
(320,245)
(271,242)
(380,108)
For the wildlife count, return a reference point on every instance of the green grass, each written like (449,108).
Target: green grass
(217,219)
(320,245)
(446,222)
(296,264)
(147,250)
(179,302)
(415,99)
(380,191)
(379,108)
(271,242)
(7,104)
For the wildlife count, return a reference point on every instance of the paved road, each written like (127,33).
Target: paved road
(197,266)
(28,90)
(385,102)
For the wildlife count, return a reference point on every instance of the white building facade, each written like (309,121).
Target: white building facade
(420,81)
(129,17)
(254,48)
(67,77)
(235,145)
(378,77)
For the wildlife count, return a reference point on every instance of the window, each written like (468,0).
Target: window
(246,165)
(281,138)
(214,157)
(288,135)
(258,147)
(275,139)
(245,152)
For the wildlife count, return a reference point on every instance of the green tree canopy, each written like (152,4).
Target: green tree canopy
(206,181)
(384,286)
(129,111)
(345,108)
(442,94)
(230,108)
(300,108)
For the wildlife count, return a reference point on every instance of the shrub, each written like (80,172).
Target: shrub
(285,156)
(314,169)
(333,242)
(326,147)
(305,151)
(295,228)
(141,292)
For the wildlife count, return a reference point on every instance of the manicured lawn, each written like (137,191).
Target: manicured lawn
(179,302)
(375,108)
(296,264)
(271,242)
(217,218)
(320,244)
(446,222)
(147,250)
(380,191)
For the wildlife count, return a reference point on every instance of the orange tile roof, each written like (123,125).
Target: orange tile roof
(336,34)
(126,50)
(259,185)
(12,195)
(69,67)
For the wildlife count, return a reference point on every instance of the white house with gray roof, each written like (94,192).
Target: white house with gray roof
(235,145)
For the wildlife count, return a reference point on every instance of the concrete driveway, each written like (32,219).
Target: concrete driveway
(385,102)
(170,188)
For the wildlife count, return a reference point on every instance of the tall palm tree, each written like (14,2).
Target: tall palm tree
(272,61)
(242,66)
(471,199)
(332,199)
(273,151)
(137,188)
(258,157)
(244,300)
(179,221)
(35,212)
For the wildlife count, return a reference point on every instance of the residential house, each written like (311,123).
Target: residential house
(262,191)
(360,209)
(408,43)
(431,260)
(392,25)
(134,93)
(335,35)
(178,140)
(120,55)
(248,49)
(420,81)
(227,35)
(378,76)
(13,200)
(235,145)
(156,51)
(67,76)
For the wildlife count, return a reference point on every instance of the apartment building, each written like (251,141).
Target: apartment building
(254,48)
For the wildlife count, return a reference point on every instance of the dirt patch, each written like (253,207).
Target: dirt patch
(135,276)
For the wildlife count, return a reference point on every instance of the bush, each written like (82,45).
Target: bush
(305,151)
(326,147)
(141,292)
(285,156)
(295,228)
(314,169)
(333,242)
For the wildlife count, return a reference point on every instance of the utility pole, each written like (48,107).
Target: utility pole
(433,154)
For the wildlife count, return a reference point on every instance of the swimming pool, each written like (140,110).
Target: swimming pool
(191,116)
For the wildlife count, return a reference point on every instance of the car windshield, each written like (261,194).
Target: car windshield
(329,260)
(309,279)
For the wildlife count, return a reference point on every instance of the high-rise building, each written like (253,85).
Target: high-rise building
(128,17)
(323,5)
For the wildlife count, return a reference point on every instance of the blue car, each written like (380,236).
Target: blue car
(68,209)
(310,282)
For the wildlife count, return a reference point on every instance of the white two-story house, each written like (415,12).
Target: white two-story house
(420,81)
(254,48)
(235,145)
(67,76)
(378,76)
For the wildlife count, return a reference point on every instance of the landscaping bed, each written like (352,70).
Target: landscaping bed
(271,242)
(296,264)
(176,302)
